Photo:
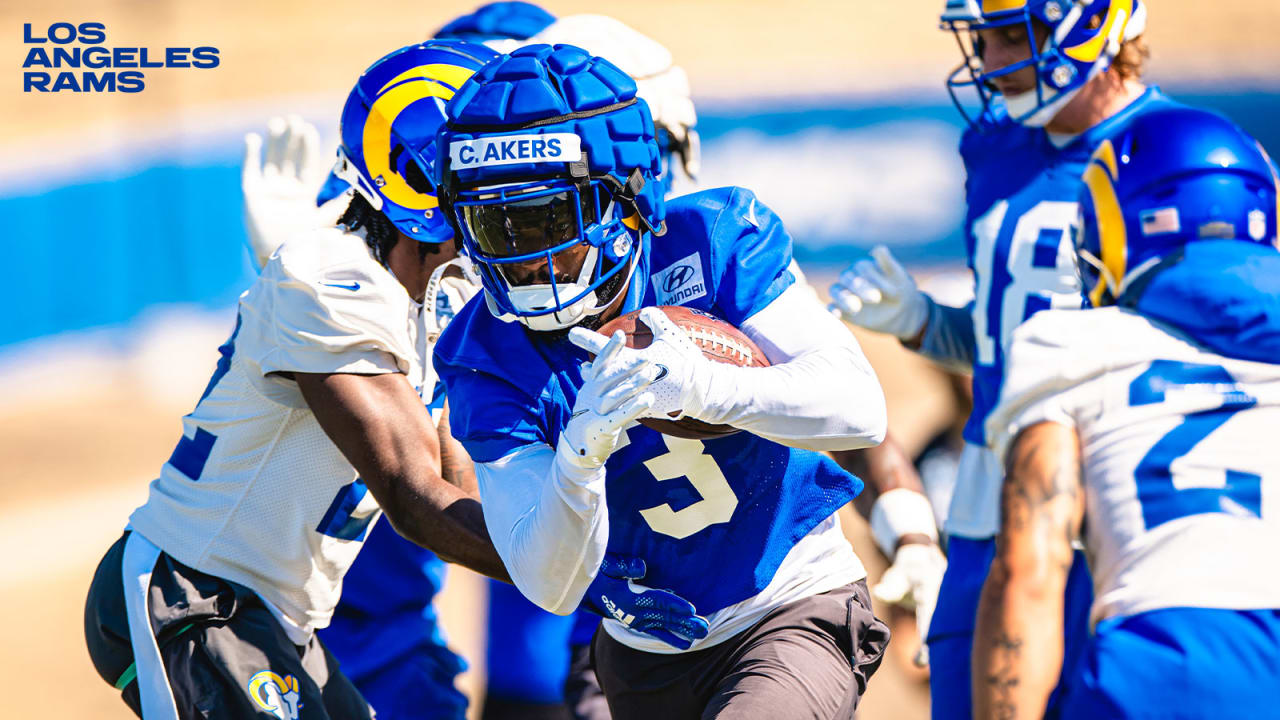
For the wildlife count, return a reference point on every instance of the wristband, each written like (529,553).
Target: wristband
(898,512)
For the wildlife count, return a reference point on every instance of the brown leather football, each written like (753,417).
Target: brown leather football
(719,341)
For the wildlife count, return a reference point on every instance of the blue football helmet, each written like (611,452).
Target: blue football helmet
(491,24)
(548,168)
(1169,178)
(497,21)
(389,129)
(1084,36)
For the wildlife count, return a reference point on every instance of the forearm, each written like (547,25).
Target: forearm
(382,428)
(1017,652)
(882,468)
(549,523)
(894,500)
(820,392)
(1017,648)
(449,522)
(947,337)
(455,464)
(828,399)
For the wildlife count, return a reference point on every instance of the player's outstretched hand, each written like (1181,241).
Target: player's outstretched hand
(613,393)
(912,581)
(661,614)
(879,295)
(280,185)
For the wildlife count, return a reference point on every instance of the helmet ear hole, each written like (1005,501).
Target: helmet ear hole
(416,179)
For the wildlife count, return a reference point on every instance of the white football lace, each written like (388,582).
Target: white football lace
(717,341)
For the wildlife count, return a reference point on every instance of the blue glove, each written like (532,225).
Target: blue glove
(658,613)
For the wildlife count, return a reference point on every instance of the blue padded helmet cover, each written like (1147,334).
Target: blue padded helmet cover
(495,20)
(547,90)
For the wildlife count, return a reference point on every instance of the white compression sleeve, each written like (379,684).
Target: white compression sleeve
(548,521)
(820,392)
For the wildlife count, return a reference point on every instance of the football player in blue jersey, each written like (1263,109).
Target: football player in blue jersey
(1052,78)
(1148,424)
(548,167)
(538,663)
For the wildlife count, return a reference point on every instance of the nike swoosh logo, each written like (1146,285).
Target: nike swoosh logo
(352,287)
(662,372)
(751,215)
(580,412)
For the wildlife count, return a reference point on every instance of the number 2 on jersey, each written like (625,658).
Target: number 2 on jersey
(1161,498)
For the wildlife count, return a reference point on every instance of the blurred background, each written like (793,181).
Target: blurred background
(123,239)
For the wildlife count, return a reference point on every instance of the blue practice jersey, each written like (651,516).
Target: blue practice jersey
(1023,199)
(712,518)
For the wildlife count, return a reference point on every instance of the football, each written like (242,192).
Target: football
(718,340)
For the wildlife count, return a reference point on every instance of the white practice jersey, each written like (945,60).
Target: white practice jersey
(1180,457)
(255,492)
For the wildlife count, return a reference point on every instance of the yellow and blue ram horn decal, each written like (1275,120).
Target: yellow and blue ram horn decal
(438,80)
(1090,50)
(1100,179)
(995,6)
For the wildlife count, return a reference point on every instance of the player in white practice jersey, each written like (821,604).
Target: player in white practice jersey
(1150,424)
(312,424)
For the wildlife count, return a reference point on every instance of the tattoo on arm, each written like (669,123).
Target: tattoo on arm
(1002,676)
(1018,641)
(1043,478)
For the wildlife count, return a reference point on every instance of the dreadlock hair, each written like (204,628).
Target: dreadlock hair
(380,234)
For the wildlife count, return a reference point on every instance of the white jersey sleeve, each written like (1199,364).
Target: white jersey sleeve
(331,310)
(1181,475)
(1057,355)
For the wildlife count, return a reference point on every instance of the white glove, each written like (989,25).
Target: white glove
(280,190)
(879,295)
(912,581)
(682,381)
(612,395)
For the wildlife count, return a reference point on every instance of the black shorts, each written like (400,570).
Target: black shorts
(224,655)
(807,659)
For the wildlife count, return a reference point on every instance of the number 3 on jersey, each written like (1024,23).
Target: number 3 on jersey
(1019,272)
(687,458)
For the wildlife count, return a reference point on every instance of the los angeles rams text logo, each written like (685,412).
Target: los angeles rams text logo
(66,45)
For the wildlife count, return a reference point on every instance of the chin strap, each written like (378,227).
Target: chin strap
(622,192)
(626,194)
(432,293)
